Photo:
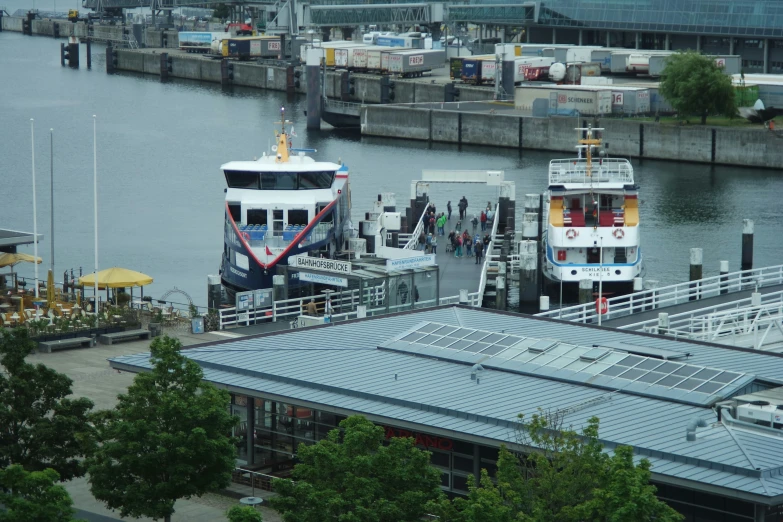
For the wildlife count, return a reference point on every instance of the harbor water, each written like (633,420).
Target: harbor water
(161,201)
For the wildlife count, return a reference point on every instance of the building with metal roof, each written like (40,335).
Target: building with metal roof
(455,378)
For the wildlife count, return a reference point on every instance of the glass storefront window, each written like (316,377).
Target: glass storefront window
(239,410)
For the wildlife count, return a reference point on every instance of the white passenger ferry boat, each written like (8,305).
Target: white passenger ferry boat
(591,213)
(281,205)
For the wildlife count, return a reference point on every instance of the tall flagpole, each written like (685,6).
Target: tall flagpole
(35,213)
(51,186)
(95,200)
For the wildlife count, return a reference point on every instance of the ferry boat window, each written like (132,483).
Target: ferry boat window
(316,180)
(277,222)
(328,218)
(236,212)
(256,216)
(278,181)
(297,217)
(242,180)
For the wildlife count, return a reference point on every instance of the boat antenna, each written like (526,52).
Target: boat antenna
(282,120)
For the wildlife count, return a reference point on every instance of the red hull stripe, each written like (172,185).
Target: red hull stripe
(301,235)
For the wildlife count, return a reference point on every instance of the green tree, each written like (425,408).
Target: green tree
(243,514)
(694,84)
(221,12)
(33,496)
(569,478)
(40,427)
(167,438)
(351,476)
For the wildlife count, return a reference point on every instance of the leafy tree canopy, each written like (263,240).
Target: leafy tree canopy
(694,84)
(351,476)
(570,479)
(40,427)
(221,12)
(243,514)
(166,439)
(33,496)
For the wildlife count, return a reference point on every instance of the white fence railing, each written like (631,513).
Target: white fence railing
(655,298)
(488,258)
(738,323)
(615,170)
(413,241)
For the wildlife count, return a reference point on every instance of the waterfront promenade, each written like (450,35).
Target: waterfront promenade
(92,378)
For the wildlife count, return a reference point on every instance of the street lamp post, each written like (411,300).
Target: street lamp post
(600,276)
(35,212)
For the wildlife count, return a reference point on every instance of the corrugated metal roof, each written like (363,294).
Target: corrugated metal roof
(339,366)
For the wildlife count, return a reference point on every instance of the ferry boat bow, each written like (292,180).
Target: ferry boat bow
(591,213)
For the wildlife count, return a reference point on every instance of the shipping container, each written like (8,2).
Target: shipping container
(411,42)
(374,57)
(630,100)
(327,49)
(572,73)
(508,49)
(415,62)
(523,65)
(574,54)
(247,47)
(199,41)
(344,57)
(565,100)
(619,62)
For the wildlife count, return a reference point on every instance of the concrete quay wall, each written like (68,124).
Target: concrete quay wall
(719,145)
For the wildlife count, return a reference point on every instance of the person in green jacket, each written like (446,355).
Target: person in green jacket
(441,224)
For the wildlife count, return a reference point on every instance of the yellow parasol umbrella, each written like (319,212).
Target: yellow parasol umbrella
(116,278)
(9,259)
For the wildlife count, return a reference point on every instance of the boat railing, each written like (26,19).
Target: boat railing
(655,298)
(318,233)
(413,242)
(609,170)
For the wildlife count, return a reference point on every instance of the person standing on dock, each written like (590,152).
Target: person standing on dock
(474,221)
(483,220)
(312,310)
(434,244)
(448,207)
(428,250)
(463,207)
(422,241)
(441,224)
(479,251)
(469,246)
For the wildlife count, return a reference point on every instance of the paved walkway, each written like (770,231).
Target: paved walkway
(689,306)
(93,378)
(456,273)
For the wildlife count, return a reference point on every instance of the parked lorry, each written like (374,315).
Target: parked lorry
(249,47)
(416,62)
(200,41)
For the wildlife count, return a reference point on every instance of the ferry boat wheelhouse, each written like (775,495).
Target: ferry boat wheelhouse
(280,205)
(592,222)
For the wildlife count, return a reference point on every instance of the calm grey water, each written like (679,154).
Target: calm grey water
(161,194)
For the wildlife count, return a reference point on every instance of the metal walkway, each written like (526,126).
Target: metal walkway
(675,299)
(755,322)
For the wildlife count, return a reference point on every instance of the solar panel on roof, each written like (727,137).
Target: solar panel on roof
(618,369)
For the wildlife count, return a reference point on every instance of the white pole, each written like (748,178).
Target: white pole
(51,187)
(35,213)
(95,202)
(600,277)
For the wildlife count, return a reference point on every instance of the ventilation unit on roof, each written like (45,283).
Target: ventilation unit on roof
(645,351)
(541,346)
(761,413)
(594,354)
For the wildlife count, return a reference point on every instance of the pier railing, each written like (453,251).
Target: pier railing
(735,322)
(655,298)
(413,241)
(607,170)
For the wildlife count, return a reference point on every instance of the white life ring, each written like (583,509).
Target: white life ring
(571,233)
(619,233)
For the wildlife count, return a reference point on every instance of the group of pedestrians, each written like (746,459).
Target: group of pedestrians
(462,244)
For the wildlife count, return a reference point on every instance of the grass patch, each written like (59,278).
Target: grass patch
(717,121)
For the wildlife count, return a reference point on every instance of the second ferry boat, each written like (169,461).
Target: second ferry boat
(280,205)
(592,223)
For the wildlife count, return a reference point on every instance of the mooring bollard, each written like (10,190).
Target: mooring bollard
(463,296)
(663,323)
(89,54)
(543,303)
(696,273)
(724,277)
(747,244)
